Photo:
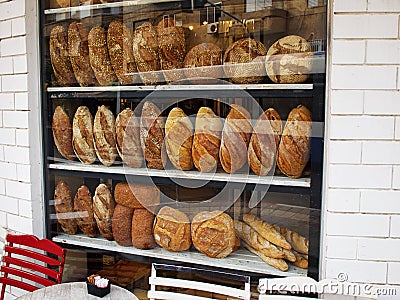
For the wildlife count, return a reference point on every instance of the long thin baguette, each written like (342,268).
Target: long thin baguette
(252,238)
(277,263)
(301,260)
(288,255)
(266,230)
(298,242)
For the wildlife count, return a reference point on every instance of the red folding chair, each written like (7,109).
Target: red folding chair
(23,261)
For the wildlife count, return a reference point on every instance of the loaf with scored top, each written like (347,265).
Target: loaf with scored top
(62,133)
(204,60)
(64,206)
(83,206)
(103,207)
(82,135)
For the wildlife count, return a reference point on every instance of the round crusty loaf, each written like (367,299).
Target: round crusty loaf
(59,57)
(83,206)
(213,233)
(179,139)
(128,138)
(172,229)
(244,61)
(103,207)
(104,136)
(119,42)
(264,142)
(142,229)
(204,60)
(137,195)
(78,50)
(64,207)
(294,148)
(82,135)
(62,133)
(122,225)
(289,60)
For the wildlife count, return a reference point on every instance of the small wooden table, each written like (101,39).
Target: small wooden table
(76,291)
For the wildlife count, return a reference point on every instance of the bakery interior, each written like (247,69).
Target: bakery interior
(119,200)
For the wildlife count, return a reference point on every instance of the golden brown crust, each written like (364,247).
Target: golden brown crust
(204,60)
(78,50)
(137,195)
(244,61)
(63,205)
(68,3)
(99,58)
(294,148)
(301,260)
(298,242)
(62,133)
(104,136)
(277,263)
(60,58)
(172,229)
(103,207)
(179,139)
(152,136)
(146,53)
(83,206)
(206,140)
(122,225)
(119,42)
(128,138)
(82,135)
(142,229)
(213,233)
(235,139)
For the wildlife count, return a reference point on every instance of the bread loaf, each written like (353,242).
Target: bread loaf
(122,225)
(301,260)
(82,135)
(146,53)
(83,206)
(68,3)
(99,58)
(266,230)
(62,133)
(277,263)
(137,195)
(59,57)
(128,138)
(244,61)
(171,43)
(206,140)
(213,233)
(152,136)
(204,60)
(172,229)
(264,142)
(104,136)
(103,207)
(78,50)
(119,42)
(298,242)
(64,207)
(289,60)
(179,139)
(142,229)
(235,139)
(294,148)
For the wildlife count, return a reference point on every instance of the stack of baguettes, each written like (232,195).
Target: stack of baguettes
(274,244)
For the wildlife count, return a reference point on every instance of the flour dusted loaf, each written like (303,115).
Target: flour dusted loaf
(137,195)
(83,206)
(99,57)
(244,61)
(264,142)
(179,139)
(78,50)
(152,136)
(235,139)
(104,136)
(119,42)
(64,207)
(62,133)
(60,58)
(289,60)
(213,233)
(142,229)
(128,138)
(146,53)
(172,229)
(122,225)
(103,207)
(294,147)
(206,140)
(204,60)
(82,135)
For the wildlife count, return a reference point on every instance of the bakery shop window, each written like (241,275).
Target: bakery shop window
(184,132)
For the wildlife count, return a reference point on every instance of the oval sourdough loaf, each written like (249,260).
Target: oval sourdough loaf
(103,207)
(122,225)
(64,207)
(83,206)
(142,229)
(62,133)
(82,135)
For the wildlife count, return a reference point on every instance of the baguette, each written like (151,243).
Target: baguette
(266,230)
(298,242)
(277,263)
(288,254)
(301,260)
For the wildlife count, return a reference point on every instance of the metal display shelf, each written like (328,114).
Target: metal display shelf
(191,175)
(241,260)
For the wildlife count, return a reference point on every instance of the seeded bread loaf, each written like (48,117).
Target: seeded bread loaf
(64,207)
(142,229)
(122,225)
(62,133)
(82,135)
(103,207)
(83,206)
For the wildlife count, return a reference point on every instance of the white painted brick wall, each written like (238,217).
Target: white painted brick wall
(382,102)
